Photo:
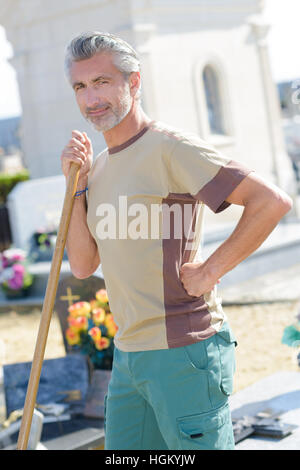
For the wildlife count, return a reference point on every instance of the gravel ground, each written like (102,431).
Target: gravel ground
(258,329)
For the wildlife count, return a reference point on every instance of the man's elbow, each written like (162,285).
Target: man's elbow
(282,203)
(83,273)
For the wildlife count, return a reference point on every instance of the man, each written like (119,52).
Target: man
(174,350)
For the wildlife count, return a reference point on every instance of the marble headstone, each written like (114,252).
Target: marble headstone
(33,205)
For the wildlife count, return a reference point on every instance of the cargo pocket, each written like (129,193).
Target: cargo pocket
(207,431)
(226,342)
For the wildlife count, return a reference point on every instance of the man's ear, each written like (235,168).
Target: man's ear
(134,83)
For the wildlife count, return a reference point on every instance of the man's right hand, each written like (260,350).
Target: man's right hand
(79,150)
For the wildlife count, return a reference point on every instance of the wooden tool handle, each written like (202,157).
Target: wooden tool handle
(47,310)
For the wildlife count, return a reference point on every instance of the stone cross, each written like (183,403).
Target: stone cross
(69,297)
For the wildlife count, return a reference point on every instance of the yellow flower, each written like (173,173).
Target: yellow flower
(80,309)
(95,333)
(98,315)
(78,324)
(109,319)
(110,324)
(94,304)
(72,337)
(112,329)
(101,296)
(102,343)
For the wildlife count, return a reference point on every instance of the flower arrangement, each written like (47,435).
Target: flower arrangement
(45,240)
(15,279)
(291,336)
(91,329)
(42,244)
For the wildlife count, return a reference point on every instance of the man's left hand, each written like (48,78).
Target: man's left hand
(195,279)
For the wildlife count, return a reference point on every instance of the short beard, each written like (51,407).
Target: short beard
(117,115)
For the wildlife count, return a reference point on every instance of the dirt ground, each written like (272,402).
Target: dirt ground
(258,329)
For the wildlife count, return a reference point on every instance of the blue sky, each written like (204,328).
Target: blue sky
(284,38)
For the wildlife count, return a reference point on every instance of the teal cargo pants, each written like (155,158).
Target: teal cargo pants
(172,398)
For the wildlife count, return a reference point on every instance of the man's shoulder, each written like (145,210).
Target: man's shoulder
(100,158)
(178,136)
(98,163)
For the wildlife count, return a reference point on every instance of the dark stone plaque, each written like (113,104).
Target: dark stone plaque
(63,380)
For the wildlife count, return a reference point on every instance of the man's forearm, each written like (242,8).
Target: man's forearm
(258,220)
(264,206)
(81,247)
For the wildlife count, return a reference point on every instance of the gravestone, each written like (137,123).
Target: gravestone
(61,398)
(71,290)
(63,380)
(94,406)
(33,205)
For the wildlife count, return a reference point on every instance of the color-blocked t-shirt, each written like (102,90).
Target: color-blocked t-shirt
(146,200)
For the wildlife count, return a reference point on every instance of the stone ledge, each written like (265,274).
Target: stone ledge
(281,392)
(279,251)
(282,285)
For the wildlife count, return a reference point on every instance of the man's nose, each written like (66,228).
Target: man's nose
(92,98)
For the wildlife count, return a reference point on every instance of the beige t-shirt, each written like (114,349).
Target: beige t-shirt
(145,210)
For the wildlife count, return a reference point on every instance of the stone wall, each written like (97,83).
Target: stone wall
(175,40)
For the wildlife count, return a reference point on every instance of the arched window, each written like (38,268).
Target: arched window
(213,101)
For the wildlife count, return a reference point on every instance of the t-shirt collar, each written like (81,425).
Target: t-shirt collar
(130,141)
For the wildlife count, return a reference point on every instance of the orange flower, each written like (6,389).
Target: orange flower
(80,309)
(101,296)
(72,337)
(95,333)
(78,324)
(102,343)
(98,315)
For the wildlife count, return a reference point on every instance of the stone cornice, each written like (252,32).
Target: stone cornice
(260,29)
(210,6)
(27,12)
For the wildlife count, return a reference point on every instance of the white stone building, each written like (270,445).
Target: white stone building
(205,68)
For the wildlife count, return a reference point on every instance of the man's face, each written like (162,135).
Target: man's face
(102,92)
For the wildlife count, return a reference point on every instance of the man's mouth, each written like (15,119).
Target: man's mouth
(97,111)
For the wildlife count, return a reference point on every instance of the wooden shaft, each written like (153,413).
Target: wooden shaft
(47,310)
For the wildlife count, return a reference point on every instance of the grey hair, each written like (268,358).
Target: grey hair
(88,44)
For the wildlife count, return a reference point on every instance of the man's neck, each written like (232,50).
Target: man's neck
(131,125)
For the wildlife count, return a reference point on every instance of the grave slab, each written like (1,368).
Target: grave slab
(59,378)
(281,392)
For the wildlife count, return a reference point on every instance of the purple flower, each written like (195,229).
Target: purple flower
(15,283)
(11,256)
